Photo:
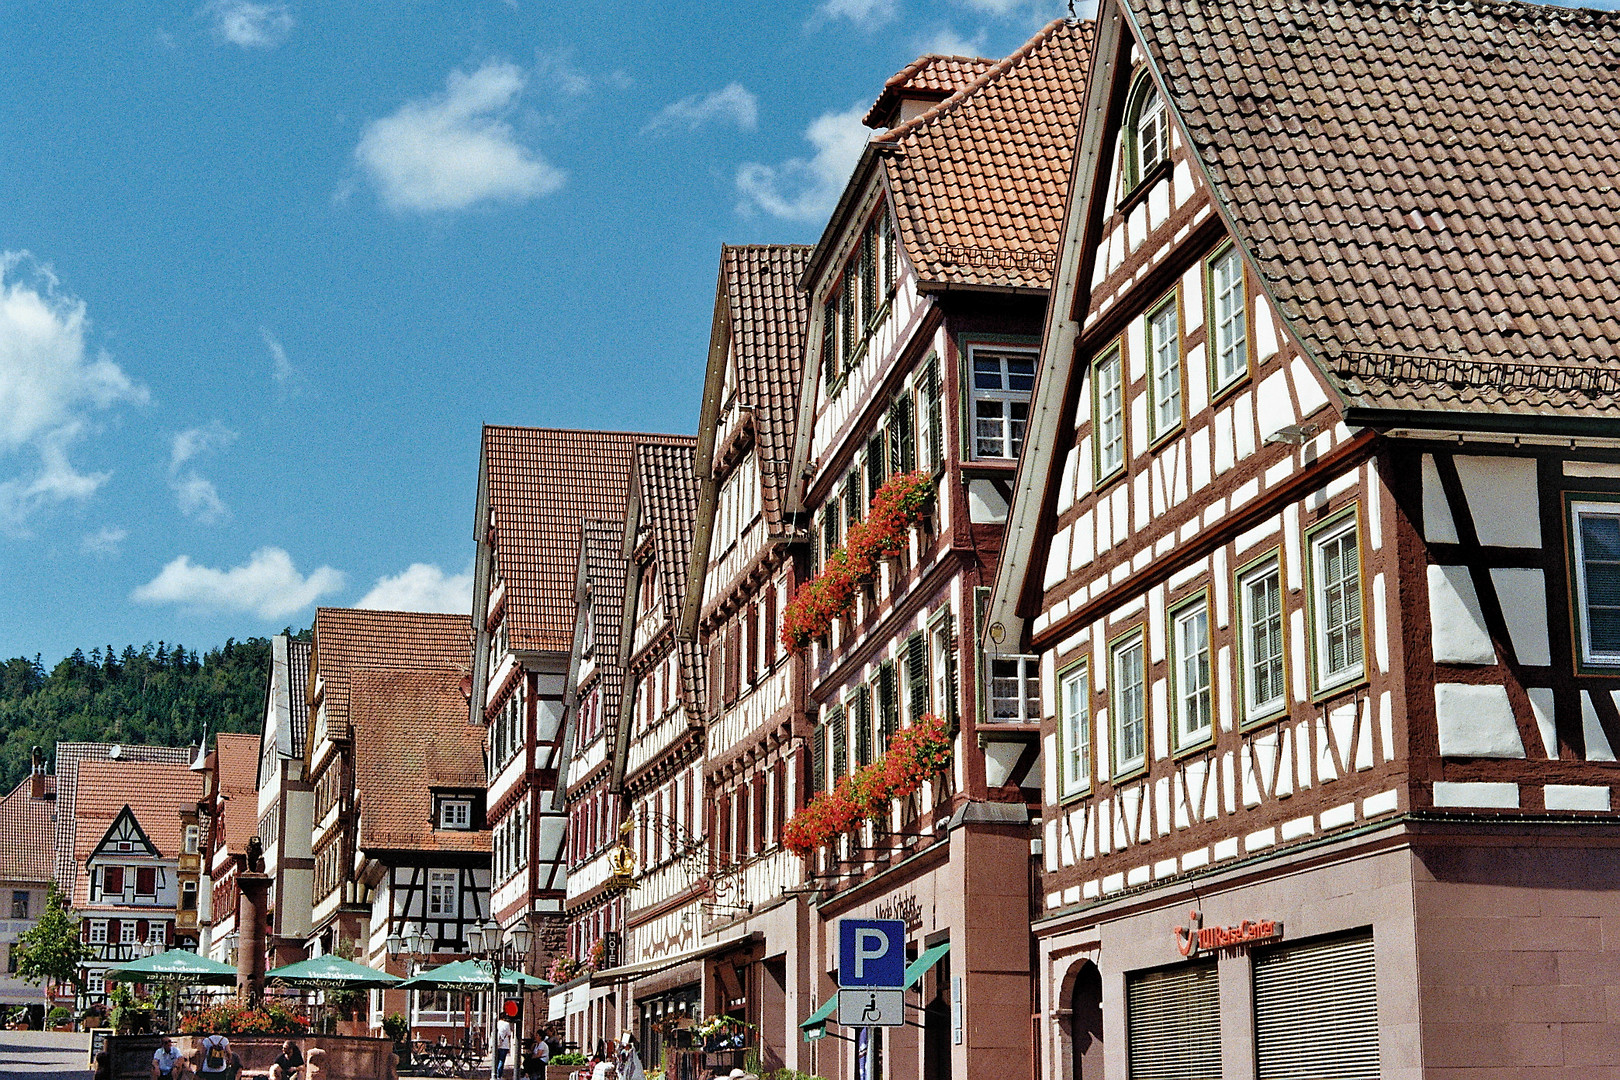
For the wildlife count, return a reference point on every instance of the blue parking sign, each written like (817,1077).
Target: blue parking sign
(871,952)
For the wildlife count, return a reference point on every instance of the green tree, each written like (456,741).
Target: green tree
(51,951)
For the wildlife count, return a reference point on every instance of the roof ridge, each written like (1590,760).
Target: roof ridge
(991,74)
(581,431)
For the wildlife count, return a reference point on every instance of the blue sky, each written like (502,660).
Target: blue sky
(269,266)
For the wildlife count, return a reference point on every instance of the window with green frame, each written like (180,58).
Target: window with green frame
(1262,672)
(1108,411)
(1163,342)
(1595,562)
(1228,318)
(1128,697)
(1190,654)
(1147,132)
(1336,615)
(1074,731)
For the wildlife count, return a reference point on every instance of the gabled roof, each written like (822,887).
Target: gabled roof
(297,693)
(1429,191)
(768,314)
(931,76)
(25,833)
(541,483)
(979,180)
(154,792)
(394,776)
(665,496)
(348,641)
(603,572)
(237,763)
(69,756)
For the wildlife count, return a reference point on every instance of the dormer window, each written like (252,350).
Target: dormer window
(1147,129)
(649,588)
(455,813)
(1002,382)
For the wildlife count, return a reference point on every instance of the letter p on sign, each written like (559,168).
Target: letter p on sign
(871,952)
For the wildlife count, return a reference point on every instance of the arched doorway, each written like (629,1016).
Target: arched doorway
(1085,1023)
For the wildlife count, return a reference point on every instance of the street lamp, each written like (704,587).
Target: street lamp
(485,942)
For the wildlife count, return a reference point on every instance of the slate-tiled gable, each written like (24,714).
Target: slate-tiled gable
(768,314)
(1430,191)
(543,482)
(979,181)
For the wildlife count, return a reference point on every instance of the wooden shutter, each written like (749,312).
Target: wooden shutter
(891,254)
(733,661)
(112,880)
(954,692)
(771,631)
(753,644)
(759,813)
(818,759)
(888,706)
(932,396)
(778,801)
(863,727)
(869,284)
(146,881)
(902,438)
(716,685)
(876,468)
(1316,1011)
(917,674)
(1173,1024)
(829,343)
(723,812)
(838,730)
(848,336)
(854,505)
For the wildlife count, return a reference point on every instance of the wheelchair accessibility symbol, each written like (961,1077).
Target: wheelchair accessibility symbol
(871,1008)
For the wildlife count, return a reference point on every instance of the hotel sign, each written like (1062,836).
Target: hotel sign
(1195,937)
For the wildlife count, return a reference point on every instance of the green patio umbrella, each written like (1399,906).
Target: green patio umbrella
(175,966)
(330,973)
(470,975)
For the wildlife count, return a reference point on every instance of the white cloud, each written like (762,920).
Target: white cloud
(556,71)
(49,387)
(453,150)
(281,369)
(196,495)
(945,41)
(250,25)
(733,104)
(806,189)
(421,587)
(267,585)
(865,14)
(106,541)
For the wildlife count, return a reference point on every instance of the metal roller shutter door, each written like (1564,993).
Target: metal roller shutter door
(1173,1024)
(1316,1011)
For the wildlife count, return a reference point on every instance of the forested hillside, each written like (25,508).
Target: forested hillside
(158,694)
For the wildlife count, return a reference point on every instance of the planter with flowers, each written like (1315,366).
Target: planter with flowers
(915,754)
(900,503)
(566,969)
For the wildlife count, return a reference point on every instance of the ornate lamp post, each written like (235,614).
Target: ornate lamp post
(508,951)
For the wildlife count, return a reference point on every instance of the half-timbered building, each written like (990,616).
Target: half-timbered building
(927,292)
(286,800)
(128,835)
(1315,543)
(588,1009)
(536,486)
(749,558)
(657,751)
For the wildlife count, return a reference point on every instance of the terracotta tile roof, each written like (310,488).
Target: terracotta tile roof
(605,570)
(297,694)
(68,756)
(932,76)
(667,486)
(1430,190)
(979,180)
(154,792)
(542,483)
(769,315)
(348,641)
(394,776)
(237,760)
(26,826)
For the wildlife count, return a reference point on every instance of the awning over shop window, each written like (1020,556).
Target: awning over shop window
(815,1025)
(628,972)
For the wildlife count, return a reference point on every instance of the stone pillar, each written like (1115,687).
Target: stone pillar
(252,890)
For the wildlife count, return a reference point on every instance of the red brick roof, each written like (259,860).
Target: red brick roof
(605,571)
(68,756)
(154,792)
(932,76)
(394,775)
(667,486)
(25,833)
(769,314)
(1431,191)
(348,641)
(979,180)
(237,762)
(542,483)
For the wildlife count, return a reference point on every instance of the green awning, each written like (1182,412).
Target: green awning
(817,1020)
(175,966)
(918,967)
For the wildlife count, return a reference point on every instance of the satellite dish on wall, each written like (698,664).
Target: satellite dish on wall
(115,753)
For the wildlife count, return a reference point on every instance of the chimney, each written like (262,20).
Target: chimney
(36,774)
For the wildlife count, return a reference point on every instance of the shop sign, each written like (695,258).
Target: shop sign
(905,908)
(1195,937)
(612,950)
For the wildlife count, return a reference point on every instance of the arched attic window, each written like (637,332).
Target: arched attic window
(1147,132)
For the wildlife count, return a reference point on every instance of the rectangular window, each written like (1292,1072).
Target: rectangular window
(1230,324)
(1191,644)
(1597,580)
(441,898)
(19,904)
(128,932)
(891,254)
(146,881)
(1164,361)
(95,982)
(1075,732)
(191,839)
(1109,411)
(1130,705)
(838,736)
(455,814)
(112,881)
(1015,690)
(1336,612)
(188,896)
(98,931)
(1260,644)
(1002,381)
(156,933)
